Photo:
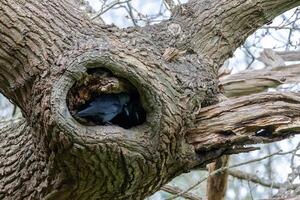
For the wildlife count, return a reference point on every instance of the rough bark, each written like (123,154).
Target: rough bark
(46,46)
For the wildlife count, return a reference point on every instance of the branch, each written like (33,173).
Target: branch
(216,185)
(271,58)
(264,117)
(176,190)
(170,4)
(254,81)
(106,8)
(297,197)
(290,55)
(215,28)
(229,167)
(255,179)
(29,43)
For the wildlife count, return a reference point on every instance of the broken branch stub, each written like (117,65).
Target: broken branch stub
(254,81)
(259,118)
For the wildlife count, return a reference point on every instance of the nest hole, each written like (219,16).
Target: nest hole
(265,131)
(100,98)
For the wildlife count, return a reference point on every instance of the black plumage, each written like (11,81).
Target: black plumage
(133,113)
(104,107)
(122,109)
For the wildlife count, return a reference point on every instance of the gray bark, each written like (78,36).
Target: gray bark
(46,46)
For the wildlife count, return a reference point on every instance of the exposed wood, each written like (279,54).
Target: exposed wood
(271,59)
(217,183)
(290,55)
(264,117)
(170,4)
(254,81)
(224,71)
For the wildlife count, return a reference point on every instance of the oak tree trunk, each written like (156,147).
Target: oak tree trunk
(47,46)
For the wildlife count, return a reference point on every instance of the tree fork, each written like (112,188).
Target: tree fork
(46,46)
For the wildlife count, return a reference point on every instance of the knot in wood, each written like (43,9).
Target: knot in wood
(175,29)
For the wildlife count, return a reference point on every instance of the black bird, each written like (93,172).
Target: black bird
(133,113)
(105,107)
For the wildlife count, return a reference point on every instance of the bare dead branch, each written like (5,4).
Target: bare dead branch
(229,167)
(176,190)
(289,188)
(271,59)
(264,117)
(280,28)
(217,184)
(218,35)
(258,180)
(170,4)
(254,81)
(106,8)
(290,55)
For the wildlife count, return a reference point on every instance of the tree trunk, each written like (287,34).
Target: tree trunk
(47,47)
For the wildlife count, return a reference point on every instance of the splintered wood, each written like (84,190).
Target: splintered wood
(238,121)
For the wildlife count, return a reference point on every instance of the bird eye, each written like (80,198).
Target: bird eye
(100,98)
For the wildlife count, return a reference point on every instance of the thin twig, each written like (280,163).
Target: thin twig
(108,7)
(229,167)
(170,5)
(131,15)
(176,190)
(255,179)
